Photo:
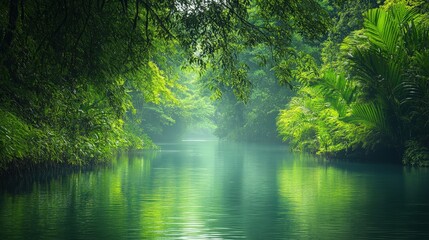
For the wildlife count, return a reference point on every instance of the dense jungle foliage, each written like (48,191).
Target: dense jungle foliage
(81,80)
(373,97)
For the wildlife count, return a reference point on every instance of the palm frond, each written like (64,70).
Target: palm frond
(343,86)
(403,14)
(382,30)
(376,71)
(370,115)
(337,90)
(422,63)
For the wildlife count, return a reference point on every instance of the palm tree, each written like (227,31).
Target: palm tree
(390,59)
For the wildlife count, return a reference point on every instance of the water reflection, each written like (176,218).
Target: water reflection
(200,190)
(350,200)
(318,199)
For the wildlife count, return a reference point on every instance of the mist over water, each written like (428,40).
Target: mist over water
(197,189)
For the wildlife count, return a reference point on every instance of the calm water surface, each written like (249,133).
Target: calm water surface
(220,190)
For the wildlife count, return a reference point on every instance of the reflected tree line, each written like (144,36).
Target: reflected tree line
(139,196)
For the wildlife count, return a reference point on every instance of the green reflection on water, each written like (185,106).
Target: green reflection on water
(321,196)
(220,190)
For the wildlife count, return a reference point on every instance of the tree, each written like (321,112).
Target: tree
(381,106)
(254,120)
(314,120)
(390,67)
(70,69)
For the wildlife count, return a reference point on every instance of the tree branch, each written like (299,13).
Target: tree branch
(136,16)
(158,19)
(245,22)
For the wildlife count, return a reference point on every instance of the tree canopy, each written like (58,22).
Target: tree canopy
(71,70)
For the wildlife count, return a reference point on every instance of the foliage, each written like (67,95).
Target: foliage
(313,120)
(383,101)
(411,3)
(253,120)
(269,24)
(81,80)
(14,137)
(386,68)
(186,108)
(416,154)
(72,72)
(67,69)
(347,16)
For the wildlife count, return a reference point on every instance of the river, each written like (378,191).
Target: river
(220,190)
